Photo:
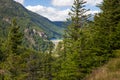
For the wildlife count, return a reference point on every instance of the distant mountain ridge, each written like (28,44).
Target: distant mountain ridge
(10,9)
(37,29)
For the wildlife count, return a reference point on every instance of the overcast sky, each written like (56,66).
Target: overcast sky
(56,10)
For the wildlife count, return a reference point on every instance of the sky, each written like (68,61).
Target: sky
(56,10)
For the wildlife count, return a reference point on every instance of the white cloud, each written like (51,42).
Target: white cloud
(93,2)
(53,13)
(20,1)
(50,12)
(70,2)
(62,2)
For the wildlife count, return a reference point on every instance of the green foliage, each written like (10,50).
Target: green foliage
(89,46)
(14,38)
(22,63)
(106,23)
(2,55)
(72,67)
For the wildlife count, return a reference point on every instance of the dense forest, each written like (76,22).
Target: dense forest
(86,46)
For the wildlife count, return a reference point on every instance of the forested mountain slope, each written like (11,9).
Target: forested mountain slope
(36,28)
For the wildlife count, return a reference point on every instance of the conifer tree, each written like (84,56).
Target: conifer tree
(106,22)
(14,38)
(13,60)
(71,68)
(31,67)
(48,67)
(78,18)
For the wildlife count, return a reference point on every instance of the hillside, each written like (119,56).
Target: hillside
(110,71)
(36,28)
(61,24)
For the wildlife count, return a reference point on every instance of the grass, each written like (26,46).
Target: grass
(110,71)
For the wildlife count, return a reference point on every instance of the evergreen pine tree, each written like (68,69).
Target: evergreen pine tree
(72,68)
(47,63)
(14,38)
(13,60)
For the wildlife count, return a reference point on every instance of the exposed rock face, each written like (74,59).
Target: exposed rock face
(35,32)
(41,34)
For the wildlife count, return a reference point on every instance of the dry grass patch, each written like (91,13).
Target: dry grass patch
(110,71)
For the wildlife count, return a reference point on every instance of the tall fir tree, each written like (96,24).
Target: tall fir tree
(12,47)
(14,38)
(71,68)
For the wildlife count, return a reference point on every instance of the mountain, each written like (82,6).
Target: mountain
(61,24)
(10,9)
(36,28)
